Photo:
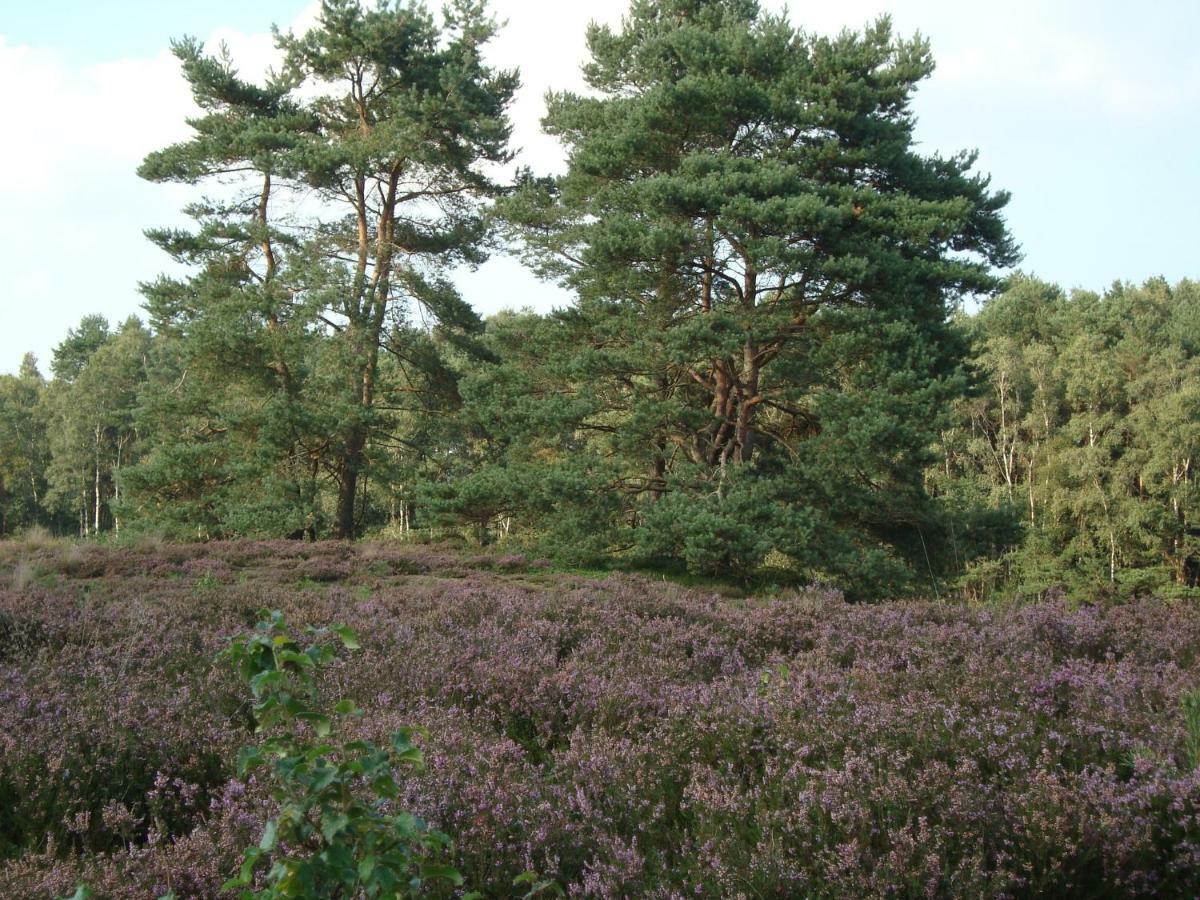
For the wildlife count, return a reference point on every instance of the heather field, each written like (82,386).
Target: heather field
(623,737)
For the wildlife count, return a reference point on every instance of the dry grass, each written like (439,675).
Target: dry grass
(23,574)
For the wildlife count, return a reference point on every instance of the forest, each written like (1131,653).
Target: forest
(1064,459)
(798,350)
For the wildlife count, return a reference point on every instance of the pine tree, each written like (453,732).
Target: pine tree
(765,266)
(362,166)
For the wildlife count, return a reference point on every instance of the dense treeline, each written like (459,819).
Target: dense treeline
(1085,434)
(762,374)
(1070,462)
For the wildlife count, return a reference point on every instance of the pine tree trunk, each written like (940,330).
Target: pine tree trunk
(747,400)
(343,527)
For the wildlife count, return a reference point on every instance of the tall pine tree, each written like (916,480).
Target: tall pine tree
(765,265)
(360,170)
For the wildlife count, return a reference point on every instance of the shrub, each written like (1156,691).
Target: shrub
(622,737)
(1191,723)
(328,839)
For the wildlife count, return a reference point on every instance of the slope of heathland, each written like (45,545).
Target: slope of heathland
(623,737)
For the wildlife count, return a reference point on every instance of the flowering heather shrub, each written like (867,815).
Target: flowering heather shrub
(623,737)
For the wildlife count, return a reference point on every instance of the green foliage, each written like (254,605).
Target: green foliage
(763,372)
(1191,723)
(759,357)
(23,452)
(337,832)
(72,355)
(91,409)
(536,887)
(1085,428)
(299,343)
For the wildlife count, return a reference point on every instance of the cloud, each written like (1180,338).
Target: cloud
(73,205)
(66,119)
(65,122)
(1043,65)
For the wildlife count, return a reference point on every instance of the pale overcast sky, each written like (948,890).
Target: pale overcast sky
(1086,110)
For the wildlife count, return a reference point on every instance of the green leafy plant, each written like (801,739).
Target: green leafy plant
(207,582)
(337,833)
(537,887)
(1191,722)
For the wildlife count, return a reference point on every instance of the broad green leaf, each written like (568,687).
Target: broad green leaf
(366,867)
(246,873)
(264,680)
(248,758)
(270,832)
(332,824)
(320,722)
(445,873)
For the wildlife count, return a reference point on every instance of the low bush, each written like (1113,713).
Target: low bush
(620,737)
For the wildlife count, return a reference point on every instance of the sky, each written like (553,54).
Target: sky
(1085,110)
